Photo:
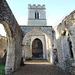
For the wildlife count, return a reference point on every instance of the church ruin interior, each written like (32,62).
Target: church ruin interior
(37,40)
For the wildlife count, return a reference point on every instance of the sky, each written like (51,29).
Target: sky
(2,30)
(56,10)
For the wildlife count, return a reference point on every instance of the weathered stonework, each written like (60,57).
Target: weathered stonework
(44,33)
(55,45)
(36,15)
(14,36)
(65,32)
(3,46)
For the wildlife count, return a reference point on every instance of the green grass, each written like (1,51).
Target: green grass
(2,67)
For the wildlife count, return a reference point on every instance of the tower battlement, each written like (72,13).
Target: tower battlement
(34,6)
(36,14)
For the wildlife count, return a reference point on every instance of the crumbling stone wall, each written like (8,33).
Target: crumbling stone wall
(3,46)
(45,34)
(65,30)
(14,36)
(3,49)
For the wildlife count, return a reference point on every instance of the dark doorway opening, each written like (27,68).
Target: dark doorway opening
(37,49)
(70,46)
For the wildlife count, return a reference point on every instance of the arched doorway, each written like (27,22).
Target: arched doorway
(37,49)
(8,47)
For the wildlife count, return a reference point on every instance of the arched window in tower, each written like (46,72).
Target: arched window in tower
(36,15)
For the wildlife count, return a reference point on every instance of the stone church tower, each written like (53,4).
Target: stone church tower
(36,15)
(37,36)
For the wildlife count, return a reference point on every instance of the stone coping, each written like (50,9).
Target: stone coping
(34,26)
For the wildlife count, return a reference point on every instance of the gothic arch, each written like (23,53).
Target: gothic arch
(65,32)
(37,48)
(36,29)
(43,43)
(46,40)
(14,35)
(41,37)
(66,39)
(10,47)
(37,15)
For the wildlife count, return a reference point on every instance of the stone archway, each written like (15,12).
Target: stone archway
(28,39)
(37,48)
(67,44)
(41,38)
(9,66)
(14,35)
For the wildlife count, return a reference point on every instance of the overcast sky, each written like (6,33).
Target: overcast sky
(56,10)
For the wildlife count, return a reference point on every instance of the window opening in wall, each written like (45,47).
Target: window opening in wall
(36,15)
(70,46)
(65,23)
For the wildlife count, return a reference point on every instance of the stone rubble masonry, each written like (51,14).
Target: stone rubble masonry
(32,10)
(14,36)
(3,46)
(63,31)
(45,34)
(46,29)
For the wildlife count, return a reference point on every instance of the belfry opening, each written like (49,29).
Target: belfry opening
(37,48)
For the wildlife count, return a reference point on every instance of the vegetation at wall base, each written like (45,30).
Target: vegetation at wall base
(2,69)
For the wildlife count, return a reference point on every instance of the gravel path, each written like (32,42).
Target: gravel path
(39,68)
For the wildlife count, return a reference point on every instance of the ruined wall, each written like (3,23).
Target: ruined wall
(65,31)
(3,46)
(46,29)
(14,36)
(45,34)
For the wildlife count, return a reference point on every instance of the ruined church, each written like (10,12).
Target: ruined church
(37,40)
(37,36)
